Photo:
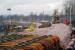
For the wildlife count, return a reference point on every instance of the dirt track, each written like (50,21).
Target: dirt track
(61,30)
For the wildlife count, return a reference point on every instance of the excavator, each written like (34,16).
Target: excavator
(31,28)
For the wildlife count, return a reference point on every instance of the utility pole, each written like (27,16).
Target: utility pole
(70,15)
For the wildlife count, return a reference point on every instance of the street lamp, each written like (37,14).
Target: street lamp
(9,9)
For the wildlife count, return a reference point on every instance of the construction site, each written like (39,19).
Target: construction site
(42,35)
(38,32)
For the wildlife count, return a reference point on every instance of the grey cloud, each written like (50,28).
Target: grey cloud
(26,6)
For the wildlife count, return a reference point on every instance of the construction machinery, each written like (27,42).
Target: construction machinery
(55,17)
(31,27)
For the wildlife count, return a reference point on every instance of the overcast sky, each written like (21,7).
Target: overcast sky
(27,6)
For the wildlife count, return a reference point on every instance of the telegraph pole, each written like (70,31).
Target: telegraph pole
(70,15)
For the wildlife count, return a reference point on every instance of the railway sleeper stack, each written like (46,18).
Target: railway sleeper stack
(34,42)
(11,37)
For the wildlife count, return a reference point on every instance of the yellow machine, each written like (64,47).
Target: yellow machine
(31,28)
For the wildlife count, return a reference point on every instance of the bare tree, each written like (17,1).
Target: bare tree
(69,7)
